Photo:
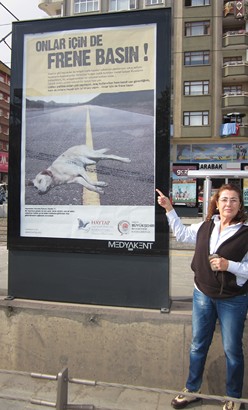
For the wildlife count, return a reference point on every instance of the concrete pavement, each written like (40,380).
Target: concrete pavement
(21,390)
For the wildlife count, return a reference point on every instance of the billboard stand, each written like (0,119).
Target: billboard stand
(89,139)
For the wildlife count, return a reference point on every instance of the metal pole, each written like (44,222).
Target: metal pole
(62,392)
(217,174)
(206,196)
(43,403)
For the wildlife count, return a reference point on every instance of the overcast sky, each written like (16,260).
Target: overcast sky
(22,10)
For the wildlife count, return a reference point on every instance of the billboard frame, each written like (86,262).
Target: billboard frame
(132,274)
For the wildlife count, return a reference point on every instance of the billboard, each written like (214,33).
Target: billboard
(244,167)
(4,156)
(89,135)
(184,189)
(209,153)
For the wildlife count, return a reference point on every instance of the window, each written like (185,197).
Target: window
(4,146)
(84,6)
(196,87)
(232,89)
(196,57)
(6,98)
(153,2)
(197,28)
(192,3)
(195,118)
(230,59)
(117,5)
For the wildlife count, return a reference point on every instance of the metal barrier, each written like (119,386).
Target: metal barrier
(62,392)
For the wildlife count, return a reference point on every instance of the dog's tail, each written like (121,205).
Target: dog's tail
(102,151)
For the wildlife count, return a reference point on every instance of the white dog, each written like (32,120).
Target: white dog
(70,167)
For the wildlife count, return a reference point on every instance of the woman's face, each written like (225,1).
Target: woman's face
(228,204)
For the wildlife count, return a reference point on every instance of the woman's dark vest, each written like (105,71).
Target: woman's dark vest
(219,284)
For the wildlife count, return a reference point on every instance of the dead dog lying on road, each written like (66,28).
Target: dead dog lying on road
(70,167)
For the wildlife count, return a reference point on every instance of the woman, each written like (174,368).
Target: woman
(221,287)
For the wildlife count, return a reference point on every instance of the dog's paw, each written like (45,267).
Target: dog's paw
(127,160)
(100,191)
(101,183)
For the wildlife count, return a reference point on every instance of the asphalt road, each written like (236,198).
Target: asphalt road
(49,132)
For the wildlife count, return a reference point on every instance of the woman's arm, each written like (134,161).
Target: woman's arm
(164,201)
(181,232)
(239,269)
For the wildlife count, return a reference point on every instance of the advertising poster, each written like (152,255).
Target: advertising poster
(92,105)
(184,188)
(4,156)
(212,152)
(245,186)
(88,99)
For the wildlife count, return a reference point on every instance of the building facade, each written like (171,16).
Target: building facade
(4,121)
(209,113)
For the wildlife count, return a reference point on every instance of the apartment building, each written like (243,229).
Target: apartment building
(209,110)
(4,120)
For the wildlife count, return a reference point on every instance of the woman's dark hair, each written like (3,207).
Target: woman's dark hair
(241,216)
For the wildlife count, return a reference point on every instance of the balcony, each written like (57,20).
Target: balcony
(243,130)
(236,71)
(4,104)
(231,129)
(4,137)
(51,7)
(4,121)
(5,88)
(235,38)
(235,100)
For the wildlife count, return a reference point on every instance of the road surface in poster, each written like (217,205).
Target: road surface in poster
(88,134)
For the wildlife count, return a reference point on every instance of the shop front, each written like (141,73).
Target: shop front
(187,192)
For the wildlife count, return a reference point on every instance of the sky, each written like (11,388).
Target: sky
(22,10)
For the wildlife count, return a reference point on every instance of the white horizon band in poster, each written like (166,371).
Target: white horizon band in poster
(91,88)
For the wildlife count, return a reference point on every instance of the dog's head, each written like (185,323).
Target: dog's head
(42,181)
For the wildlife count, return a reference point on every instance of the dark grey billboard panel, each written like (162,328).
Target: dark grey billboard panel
(89,140)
